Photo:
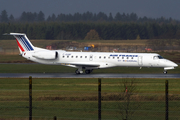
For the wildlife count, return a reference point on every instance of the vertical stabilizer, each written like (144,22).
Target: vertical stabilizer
(23,42)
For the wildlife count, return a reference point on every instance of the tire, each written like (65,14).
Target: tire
(77,72)
(87,71)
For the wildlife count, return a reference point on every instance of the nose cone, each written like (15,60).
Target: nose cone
(172,64)
(169,63)
(175,65)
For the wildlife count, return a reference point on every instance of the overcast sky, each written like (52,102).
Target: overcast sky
(149,8)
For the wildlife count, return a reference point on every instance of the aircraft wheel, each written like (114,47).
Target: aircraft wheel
(165,72)
(77,72)
(87,71)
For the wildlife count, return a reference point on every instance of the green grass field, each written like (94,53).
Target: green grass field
(74,99)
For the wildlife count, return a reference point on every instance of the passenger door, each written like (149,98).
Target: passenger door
(140,60)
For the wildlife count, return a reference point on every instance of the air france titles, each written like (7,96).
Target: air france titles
(125,58)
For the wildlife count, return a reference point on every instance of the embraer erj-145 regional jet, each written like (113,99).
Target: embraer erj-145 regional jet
(89,60)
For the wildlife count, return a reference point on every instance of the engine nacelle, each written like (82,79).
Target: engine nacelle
(48,55)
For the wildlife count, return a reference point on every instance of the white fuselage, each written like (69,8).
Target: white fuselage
(95,60)
(89,60)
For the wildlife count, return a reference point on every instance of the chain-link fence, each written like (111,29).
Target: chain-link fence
(74,99)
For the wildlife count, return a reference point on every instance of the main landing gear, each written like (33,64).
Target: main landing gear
(86,71)
(165,72)
(77,72)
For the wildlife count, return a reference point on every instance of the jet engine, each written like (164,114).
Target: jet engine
(48,55)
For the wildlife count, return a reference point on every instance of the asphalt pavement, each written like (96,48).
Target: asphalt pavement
(73,75)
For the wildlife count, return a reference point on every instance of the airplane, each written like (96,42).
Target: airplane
(89,61)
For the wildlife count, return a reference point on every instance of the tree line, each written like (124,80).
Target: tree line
(79,30)
(82,17)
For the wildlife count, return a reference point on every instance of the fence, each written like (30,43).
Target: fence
(74,99)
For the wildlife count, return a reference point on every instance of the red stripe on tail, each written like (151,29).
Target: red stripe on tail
(20,46)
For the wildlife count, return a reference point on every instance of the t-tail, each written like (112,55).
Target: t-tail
(31,52)
(23,42)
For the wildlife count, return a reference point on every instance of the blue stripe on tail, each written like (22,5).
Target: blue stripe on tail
(25,43)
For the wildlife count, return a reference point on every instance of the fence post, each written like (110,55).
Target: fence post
(166,99)
(30,98)
(99,98)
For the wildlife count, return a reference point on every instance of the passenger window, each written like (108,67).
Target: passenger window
(104,57)
(122,57)
(63,56)
(117,57)
(132,58)
(127,57)
(67,56)
(85,56)
(99,57)
(81,57)
(71,56)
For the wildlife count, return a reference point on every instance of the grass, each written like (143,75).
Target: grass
(114,42)
(4,58)
(12,44)
(6,44)
(71,99)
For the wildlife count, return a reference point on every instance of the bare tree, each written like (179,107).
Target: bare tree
(126,106)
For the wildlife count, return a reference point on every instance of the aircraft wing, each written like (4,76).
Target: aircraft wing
(85,64)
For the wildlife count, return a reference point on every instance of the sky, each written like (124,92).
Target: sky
(148,8)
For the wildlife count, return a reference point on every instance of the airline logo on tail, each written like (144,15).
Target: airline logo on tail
(23,43)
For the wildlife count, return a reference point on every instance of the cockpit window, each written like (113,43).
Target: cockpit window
(158,57)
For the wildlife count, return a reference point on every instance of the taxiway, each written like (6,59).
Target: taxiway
(73,75)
